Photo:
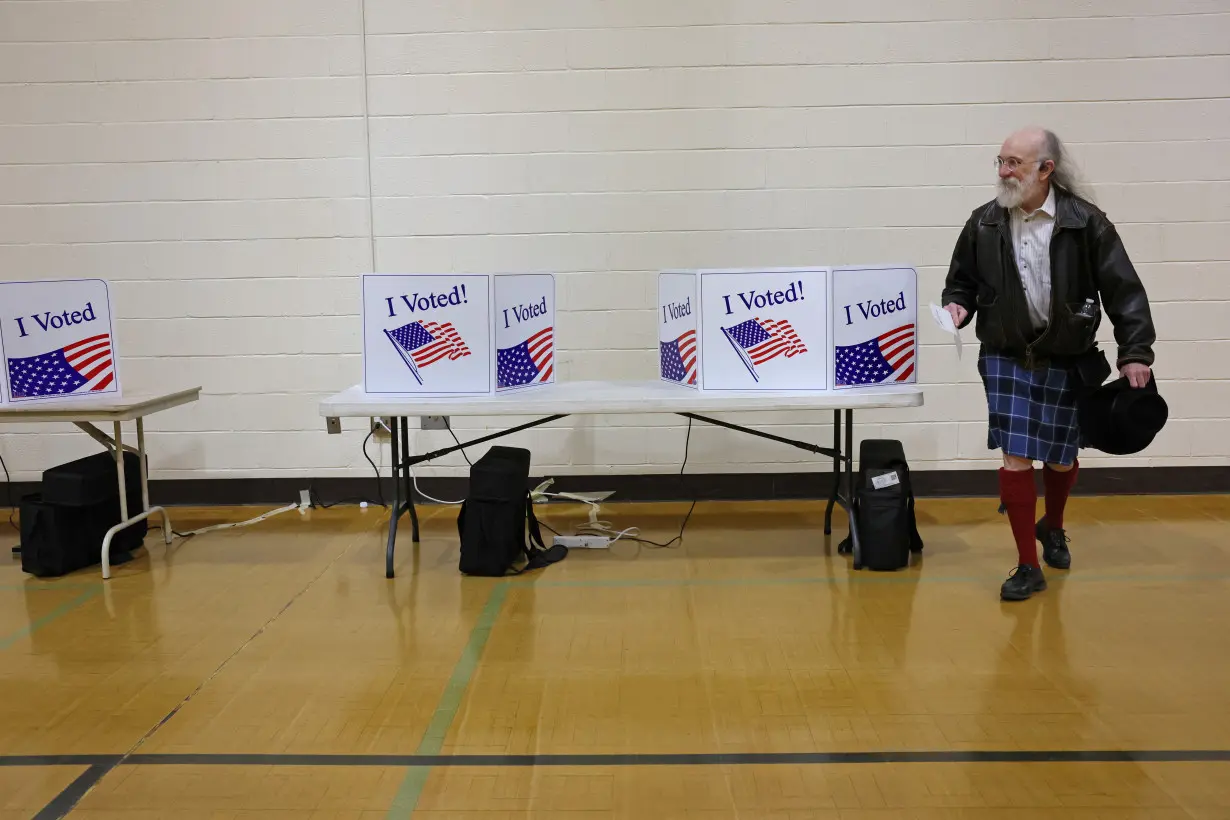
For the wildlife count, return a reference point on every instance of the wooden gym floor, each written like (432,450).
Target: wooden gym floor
(272,672)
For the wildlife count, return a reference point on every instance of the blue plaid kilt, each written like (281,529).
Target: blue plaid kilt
(1031,413)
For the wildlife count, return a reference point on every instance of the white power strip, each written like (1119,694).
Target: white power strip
(596,542)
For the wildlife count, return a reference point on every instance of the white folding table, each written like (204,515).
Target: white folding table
(562,399)
(83,413)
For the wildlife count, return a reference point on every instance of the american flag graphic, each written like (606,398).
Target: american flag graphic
(887,357)
(86,366)
(678,358)
(530,362)
(423,343)
(759,340)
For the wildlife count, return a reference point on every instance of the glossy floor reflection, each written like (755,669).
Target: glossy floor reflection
(753,637)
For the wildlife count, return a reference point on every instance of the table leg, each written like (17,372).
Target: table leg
(396,514)
(855,546)
(408,479)
(167,530)
(119,469)
(116,445)
(836,491)
(118,450)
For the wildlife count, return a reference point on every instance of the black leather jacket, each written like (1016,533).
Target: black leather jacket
(1088,261)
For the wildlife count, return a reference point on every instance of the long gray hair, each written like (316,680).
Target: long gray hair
(1066,175)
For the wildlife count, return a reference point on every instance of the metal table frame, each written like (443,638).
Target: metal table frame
(83,413)
(560,400)
(403,485)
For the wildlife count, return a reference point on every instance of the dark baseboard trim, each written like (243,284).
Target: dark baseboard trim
(671,487)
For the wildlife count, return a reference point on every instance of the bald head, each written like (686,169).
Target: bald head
(1033,146)
(1028,158)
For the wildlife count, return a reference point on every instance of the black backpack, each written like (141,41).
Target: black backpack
(496,515)
(883,508)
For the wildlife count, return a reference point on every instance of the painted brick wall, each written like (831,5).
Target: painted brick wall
(212,160)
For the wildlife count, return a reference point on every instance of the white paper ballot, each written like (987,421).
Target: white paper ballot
(944,319)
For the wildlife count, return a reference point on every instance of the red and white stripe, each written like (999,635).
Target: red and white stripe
(448,343)
(687,352)
(897,347)
(784,342)
(93,360)
(542,353)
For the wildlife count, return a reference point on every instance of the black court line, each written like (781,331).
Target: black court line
(106,762)
(67,800)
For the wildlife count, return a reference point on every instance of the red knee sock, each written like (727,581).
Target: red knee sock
(1020,497)
(1058,487)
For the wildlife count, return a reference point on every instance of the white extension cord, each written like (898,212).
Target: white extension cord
(596,542)
(595,533)
(248,523)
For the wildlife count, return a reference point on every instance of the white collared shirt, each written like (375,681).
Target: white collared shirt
(1031,241)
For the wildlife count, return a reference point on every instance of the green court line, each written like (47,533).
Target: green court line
(411,789)
(38,623)
(42,587)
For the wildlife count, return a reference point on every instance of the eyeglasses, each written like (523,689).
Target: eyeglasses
(1012,162)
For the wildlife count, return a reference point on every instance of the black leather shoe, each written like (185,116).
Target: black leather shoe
(1054,546)
(1022,582)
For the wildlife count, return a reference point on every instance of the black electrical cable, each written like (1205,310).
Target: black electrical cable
(449,427)
(686,447)
(314,497)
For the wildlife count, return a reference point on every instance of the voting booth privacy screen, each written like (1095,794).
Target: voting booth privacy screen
(788,329)
(875,326)
(57,341)
(457,334)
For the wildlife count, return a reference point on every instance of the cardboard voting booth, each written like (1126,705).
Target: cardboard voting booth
(678,318)
(788,329)
(524,314)
(57,341)
(875,326)
(457,334)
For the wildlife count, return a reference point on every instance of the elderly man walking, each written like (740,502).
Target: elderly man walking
(1036,267)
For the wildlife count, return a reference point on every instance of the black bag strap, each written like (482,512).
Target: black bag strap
(537,553)
(916,542)
(532,520)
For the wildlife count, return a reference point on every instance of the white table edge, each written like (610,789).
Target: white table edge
(121,409)
(352,403)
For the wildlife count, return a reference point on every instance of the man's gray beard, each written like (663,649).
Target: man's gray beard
(1009,193)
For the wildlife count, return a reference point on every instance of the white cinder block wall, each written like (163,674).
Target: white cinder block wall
(212,160)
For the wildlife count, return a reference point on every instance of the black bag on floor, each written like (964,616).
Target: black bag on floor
(883,508)
(498,514)
(57,539)
(62,527)
(92,479)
